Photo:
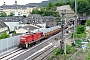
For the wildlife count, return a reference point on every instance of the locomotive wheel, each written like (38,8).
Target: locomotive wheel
(37,42)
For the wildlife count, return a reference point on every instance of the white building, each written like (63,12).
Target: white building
(12,22)
(3,27)
(69,12)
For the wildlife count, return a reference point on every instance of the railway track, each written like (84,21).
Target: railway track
(45,54)
(11,54)
(19,51)
(40,55)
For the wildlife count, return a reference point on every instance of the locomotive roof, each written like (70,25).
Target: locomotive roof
(30,33)
(27,34)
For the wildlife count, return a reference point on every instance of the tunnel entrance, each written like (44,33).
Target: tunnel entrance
(83,22)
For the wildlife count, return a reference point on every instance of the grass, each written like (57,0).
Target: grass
(82,35)
(59,53)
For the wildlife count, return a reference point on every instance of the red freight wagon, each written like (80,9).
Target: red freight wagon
(37,36)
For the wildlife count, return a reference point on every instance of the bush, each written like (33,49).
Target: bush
(80,29)
(72,34)
(24,16)
(80,32)
(82,35)
(88,22)
(57,52)
(88,56)
(4,35)
(68,49)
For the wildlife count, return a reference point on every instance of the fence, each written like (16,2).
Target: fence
(8,43)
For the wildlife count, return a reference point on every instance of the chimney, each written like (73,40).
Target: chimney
(15,2)
(4,3)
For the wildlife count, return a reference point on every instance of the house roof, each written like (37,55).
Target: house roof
(11,19)
(33,4)
(69,11)
(67,7)
(15,6)
(38,18)
(49,18)
(2,24)
(21,30)
(28,27)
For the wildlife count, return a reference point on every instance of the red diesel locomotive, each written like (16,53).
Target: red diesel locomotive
(32,38)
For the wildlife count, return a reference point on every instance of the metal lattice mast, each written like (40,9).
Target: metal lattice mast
(63,45)
(75,22)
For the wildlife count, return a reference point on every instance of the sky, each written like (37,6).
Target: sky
(19,2)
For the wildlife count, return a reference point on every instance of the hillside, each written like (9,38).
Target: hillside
(43,3)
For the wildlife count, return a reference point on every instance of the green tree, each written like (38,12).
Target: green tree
(59,3)
(24,16)
(50,5)
(3,14)
(80,32)
(88,22)
(89,1)
(82,7)
(11,14)
(35,11)
(42,9)
(4,35)
(46,11)
(80,29)
(69,49)
(55,14)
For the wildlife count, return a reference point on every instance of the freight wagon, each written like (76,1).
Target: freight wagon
(30,39)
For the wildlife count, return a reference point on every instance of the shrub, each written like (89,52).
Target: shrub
(88,58)
(56,53)
(69,49)
(4,35)
(80,29)
(82,35)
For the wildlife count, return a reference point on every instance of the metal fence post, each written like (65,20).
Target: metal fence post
(13,42)
(0,45)
(7,44)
